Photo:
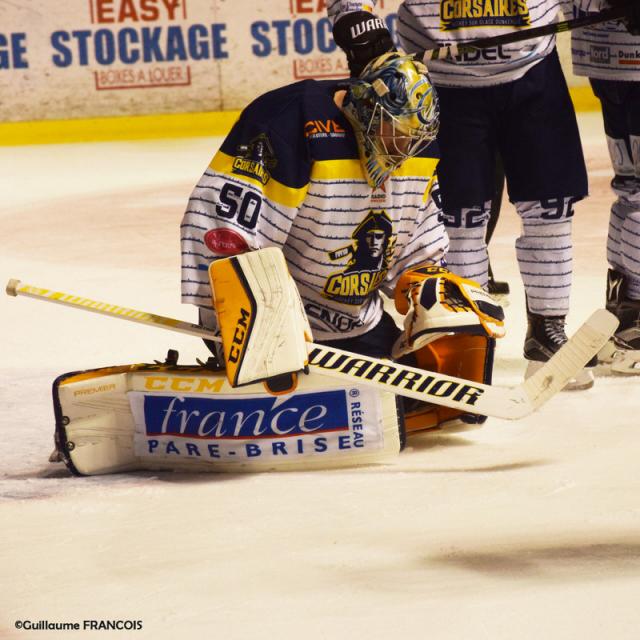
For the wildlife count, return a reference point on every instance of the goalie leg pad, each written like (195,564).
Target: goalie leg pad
(461,355)
(184,418)
(262,322)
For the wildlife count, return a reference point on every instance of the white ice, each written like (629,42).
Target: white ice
(526,530)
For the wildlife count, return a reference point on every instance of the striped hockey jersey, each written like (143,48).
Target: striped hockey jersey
(288,175)
(605,51)
(429,24)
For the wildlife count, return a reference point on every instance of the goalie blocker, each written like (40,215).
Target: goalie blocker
(262,322)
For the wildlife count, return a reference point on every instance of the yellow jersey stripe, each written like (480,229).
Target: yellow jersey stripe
(352,169)
(332,170)
(337,170)
(272,190)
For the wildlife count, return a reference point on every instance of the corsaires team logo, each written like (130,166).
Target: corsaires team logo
(369,255)
(256,159)
(458,14)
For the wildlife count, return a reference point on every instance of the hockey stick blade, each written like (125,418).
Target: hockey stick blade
(510,403)
(570,359)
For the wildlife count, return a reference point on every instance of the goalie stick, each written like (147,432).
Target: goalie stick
(509,403)
(450,51)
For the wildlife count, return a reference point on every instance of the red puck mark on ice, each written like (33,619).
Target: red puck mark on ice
(225,241)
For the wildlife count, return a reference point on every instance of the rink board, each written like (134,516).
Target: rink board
(104,58)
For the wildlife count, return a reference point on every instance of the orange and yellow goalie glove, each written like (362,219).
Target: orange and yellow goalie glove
(436,303)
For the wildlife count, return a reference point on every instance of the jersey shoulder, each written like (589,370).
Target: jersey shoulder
(292,127)
(285,111)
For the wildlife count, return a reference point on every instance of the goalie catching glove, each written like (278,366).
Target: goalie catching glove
(450,327)
(436,303)
(262,322)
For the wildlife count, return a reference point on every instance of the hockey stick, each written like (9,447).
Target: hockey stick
(501,402)
(525,34)
(496,287)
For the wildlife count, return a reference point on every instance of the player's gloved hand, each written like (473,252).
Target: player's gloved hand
(437,303)
(362,36)
(632,20)
(262,321)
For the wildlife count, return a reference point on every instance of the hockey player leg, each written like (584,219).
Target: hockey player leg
(467,256)
(188,418)
(622,126)
(495,287)
(465,356)
(544,252)
(622,353)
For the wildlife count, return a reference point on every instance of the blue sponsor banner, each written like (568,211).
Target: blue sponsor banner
(242,418)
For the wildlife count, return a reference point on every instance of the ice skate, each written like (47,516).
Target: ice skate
(545,336)
(622,352)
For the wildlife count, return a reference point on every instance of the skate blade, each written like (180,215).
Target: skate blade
(584,380)
(626,363)
(623,362)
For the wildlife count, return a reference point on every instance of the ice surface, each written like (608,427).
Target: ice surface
(518,530)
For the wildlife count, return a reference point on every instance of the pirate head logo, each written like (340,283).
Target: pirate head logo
(256,159)
(369,256)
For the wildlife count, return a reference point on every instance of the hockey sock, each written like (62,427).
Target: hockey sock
(467,256)
(544,252)
(630,253)
(623,240)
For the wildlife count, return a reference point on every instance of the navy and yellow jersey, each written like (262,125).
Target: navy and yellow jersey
(288,175)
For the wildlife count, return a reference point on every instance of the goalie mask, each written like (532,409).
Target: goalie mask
(393,109)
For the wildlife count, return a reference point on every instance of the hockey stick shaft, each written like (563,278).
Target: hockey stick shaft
(526,34)
(17,288)
(457,393)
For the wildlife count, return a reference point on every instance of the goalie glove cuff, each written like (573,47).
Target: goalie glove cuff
(362,36)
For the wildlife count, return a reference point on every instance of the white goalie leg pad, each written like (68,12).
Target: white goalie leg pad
(262,322)
(184,418)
